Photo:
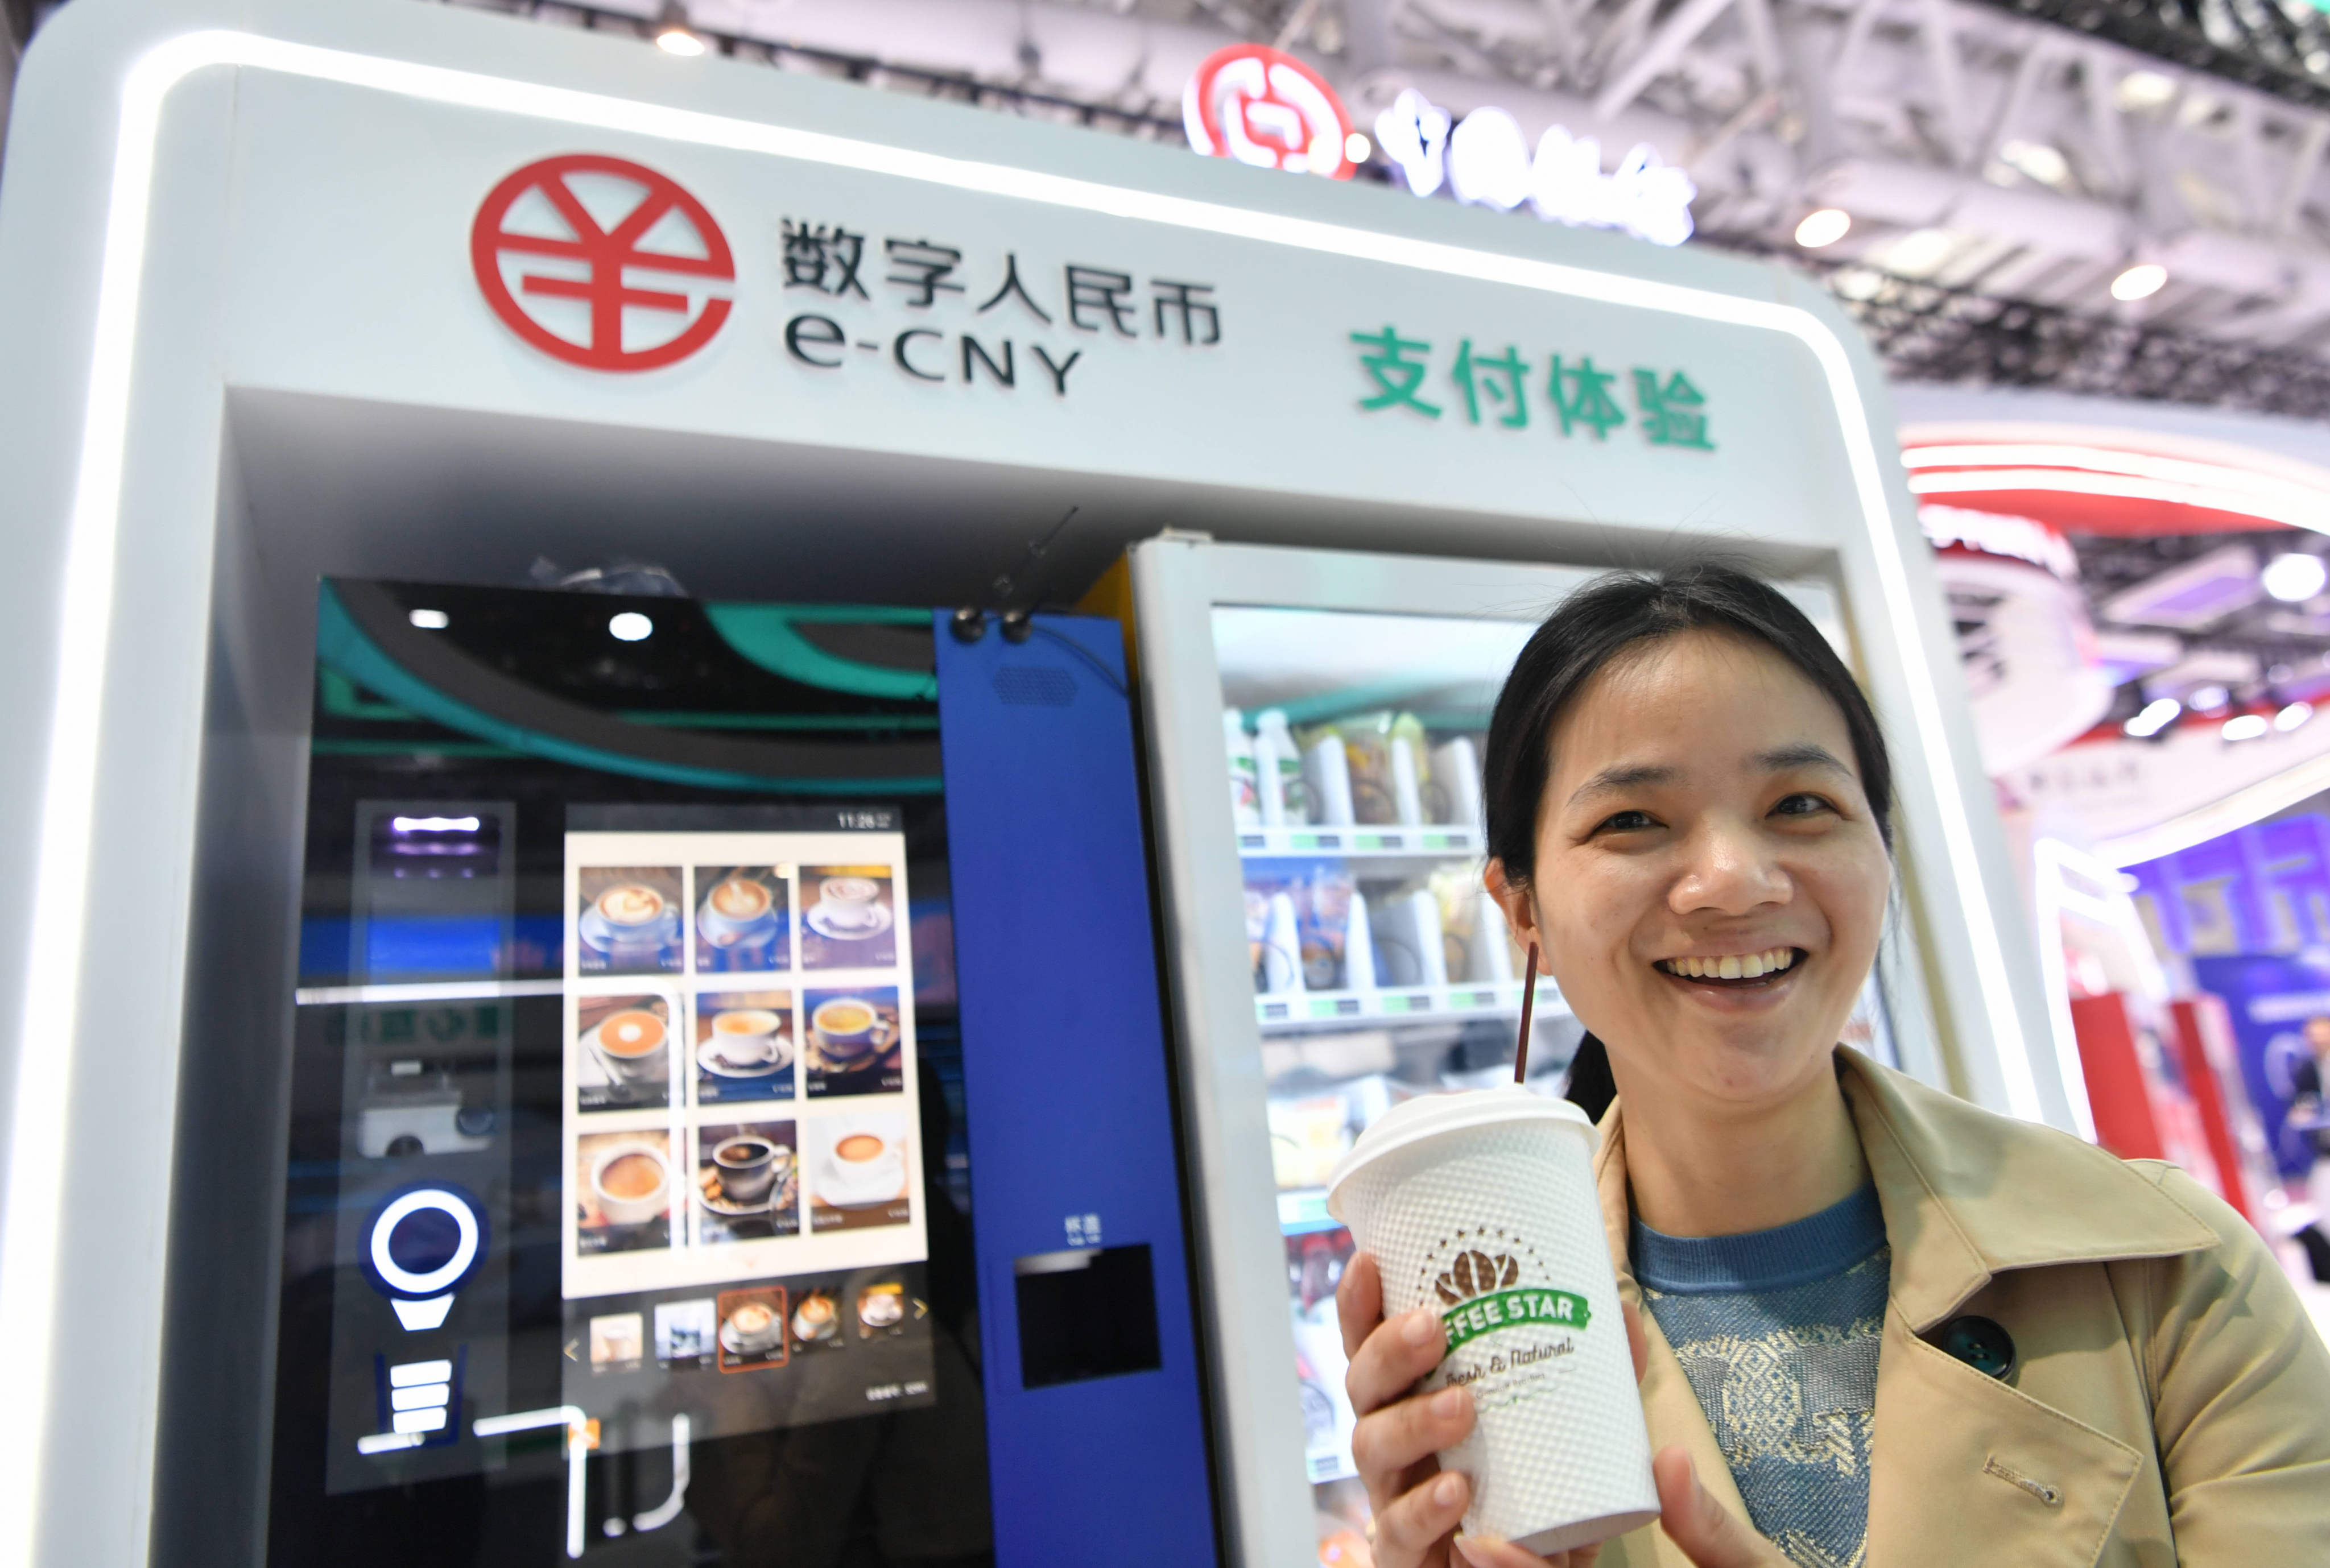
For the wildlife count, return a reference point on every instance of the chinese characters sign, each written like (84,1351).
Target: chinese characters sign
(1496,388)
(997,306)
(608,265)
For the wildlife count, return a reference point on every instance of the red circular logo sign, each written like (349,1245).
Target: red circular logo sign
(601,229)
(1262,105)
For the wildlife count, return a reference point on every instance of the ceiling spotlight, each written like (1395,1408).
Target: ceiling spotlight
(2290,717)
(674,35)
(630,627)
(2208,699)
(2245,727)
(1358,148)
(2141,281)
(429,619)
(2144,90)
(1824,227)
(2296,577)
(2157,715)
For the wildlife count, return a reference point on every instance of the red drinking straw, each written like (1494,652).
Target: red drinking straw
(1528,1005)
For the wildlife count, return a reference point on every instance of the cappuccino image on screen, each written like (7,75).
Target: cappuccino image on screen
(744,1046)
(623,1191)
(854,1044)
(747,1184)
(741,900)
(620,1055)
(627,920)
(753,1329)
(630,904)
(856,1170)
(743,919)
(850,917)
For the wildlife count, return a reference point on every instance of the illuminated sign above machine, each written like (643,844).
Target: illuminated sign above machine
(1263,107)
(1485,160)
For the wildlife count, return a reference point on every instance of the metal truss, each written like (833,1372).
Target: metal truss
(2277,48)
(1926,332)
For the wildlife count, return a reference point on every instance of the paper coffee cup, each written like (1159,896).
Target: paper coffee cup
(1481,1205)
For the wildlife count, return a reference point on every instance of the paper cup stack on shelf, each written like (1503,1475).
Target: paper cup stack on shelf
(1481,1205)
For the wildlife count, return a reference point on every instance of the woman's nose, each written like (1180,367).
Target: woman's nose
(1727,870)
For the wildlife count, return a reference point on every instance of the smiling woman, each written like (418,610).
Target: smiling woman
(1882,1326)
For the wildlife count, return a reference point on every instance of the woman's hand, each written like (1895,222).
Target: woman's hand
(1401,1432)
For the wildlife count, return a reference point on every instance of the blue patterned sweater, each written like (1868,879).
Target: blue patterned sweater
(1777,1331)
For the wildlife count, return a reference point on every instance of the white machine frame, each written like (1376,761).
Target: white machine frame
(154,400)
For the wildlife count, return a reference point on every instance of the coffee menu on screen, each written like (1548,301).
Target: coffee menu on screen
(740,1094)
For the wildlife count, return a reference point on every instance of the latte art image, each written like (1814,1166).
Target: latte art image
(630,904)
(629,920)
(741,900)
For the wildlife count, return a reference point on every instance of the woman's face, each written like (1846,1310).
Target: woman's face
(1709,883)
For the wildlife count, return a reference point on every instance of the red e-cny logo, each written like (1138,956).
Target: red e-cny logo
(564,250)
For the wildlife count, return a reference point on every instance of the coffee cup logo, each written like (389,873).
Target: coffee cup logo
(1481,1292)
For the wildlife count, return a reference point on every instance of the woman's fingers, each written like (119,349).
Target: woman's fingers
(1399,1435)
(1359,1301)
(1480,1552)
(1412,1524)
(1708,1532)
(1391,1359)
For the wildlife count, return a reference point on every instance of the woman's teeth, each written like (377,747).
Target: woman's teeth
(1731,966)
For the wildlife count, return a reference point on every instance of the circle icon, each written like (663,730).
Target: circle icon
(1263,107)
(592,232)
(425,1241)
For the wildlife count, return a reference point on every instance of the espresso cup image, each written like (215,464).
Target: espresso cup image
(866,1166)
(850,902)
(631,1183)
(814,1318)
(629,1045)
(850,1027)
(748,1169)
(1481,1206)
(745,1037)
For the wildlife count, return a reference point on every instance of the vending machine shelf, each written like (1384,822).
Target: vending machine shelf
(1294,1012)
(1432,841)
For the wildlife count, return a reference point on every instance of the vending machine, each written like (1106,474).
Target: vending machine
(1316,721)
(729,1118)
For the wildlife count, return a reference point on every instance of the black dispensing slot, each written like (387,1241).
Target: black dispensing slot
(1085,1314)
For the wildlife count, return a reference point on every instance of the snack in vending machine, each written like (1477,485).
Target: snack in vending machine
(1325,908)
(1282,947)
(1257,932)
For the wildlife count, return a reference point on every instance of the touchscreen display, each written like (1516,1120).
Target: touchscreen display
(742,1185)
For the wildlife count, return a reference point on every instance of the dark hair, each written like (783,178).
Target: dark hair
(1592,626)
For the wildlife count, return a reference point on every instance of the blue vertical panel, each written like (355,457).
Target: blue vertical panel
(1065,1081)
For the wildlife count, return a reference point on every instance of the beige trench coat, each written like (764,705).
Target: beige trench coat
(2171,1401)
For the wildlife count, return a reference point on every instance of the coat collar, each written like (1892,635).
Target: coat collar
(1967,1194)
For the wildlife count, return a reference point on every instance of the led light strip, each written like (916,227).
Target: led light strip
(36,1161)
(2250,803)
(2108,460)
(2300,510)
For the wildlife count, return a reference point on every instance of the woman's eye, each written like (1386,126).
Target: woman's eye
(1801,804)
(1626,822)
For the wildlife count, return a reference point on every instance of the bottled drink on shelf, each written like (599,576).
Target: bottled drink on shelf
(1245,809)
